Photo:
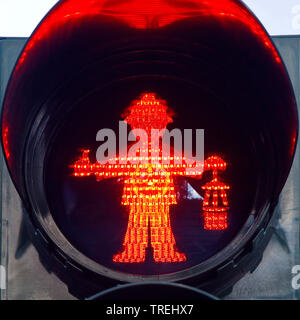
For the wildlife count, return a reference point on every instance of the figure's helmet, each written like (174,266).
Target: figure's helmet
(148,113)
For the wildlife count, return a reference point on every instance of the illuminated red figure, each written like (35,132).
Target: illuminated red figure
(215,214)
(149,187)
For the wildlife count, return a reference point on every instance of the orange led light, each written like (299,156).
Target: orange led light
(149,189)
(5,142)
(215,203)
(146,14)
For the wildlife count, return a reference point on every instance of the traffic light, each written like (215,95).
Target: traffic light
(147,290)
(189,67)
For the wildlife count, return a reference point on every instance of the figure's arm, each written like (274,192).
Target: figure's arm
(195,170)
(213,163)
(184,169)
(84,168)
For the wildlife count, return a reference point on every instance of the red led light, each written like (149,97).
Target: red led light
(215,203)
(147,14)
(148,113)
(149,189)
(5,142)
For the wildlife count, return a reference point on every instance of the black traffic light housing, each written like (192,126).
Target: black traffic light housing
(216,66)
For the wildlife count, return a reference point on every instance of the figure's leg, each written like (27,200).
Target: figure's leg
(136,238)
(162,238)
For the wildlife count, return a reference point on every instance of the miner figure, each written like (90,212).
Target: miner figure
(148,190)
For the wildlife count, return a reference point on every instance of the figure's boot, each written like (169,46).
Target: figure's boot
(164,245)
(165,252)
(133,253)
(135,244)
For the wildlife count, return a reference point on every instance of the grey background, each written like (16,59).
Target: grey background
(27,279)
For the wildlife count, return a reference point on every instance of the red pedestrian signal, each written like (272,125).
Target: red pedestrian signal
(169,66)
(149,189)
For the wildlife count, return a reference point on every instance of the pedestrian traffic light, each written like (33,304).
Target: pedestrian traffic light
(149,187)
(100,92)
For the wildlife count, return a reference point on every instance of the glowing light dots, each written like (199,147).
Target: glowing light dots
(146,14)
(215,203)
(148,113)
(149,190)
(5,142)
